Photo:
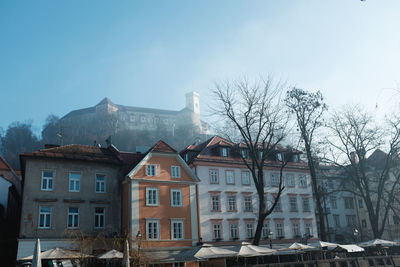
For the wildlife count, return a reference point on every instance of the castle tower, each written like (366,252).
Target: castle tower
(193,102)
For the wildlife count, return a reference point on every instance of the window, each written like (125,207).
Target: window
(351,220)
(47,180)
(295,158)
(249,229)
(274,179)
(215,202)
(265,230)
(248,203)
(303,181)
(186,157)
(213,176)
(175,171)
(348,203)
(278,206)
(364,224)
(151,170)
(151,196)
(293,203)
(308,228)
(333,202)
(176,197)
(360,204)
(296,229)
(245,178)
(279,156)
(216,227)
(178,264)
(231,203)
(44,217)
(177,229)
(306,204)
(73,218)
(290,180)
(152,229)
(243,152)
(100,183)
(224,152)
(74,181)
(230,177)
(336,219)
(279,230)
(233,228)
(99,217)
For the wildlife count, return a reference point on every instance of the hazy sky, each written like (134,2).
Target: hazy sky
(57,56)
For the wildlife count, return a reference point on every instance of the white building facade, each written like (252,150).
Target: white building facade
(228,200)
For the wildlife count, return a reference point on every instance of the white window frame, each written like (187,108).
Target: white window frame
(232,205)
(151,169)
(98,175)
(75,216)
(274,179)
(97,216)
(228,177)
(224,151)
(290,181)
(214,173)
(280,230)
(303,181)
(181,222)
(148,189)
(244,175)
(180,204)
(293,204)
(233,230)
(306,204)
(46,216)
(296,229)
(249,229)
(217,230)
(47,179)
(157,223)
(248,203)
(76,182)
(265,230)
(217,201)
(175,171)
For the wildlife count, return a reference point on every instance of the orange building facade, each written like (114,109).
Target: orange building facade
(159,200)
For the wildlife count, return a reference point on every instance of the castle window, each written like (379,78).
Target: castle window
(224,151)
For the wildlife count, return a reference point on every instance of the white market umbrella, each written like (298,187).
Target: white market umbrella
(323,244)
(59,254)
(375,242)
(207,251)
(112,254)
(249,250)
(125,261)
(300,246)
(37,260)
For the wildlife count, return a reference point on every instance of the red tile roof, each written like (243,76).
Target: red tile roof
(4,165)
(161,146)
(77,152)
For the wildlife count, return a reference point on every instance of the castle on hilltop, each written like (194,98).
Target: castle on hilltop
(120,117)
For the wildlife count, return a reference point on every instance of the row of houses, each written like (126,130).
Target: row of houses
(171,200)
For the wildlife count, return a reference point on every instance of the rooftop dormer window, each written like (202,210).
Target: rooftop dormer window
(243,152)
(279,156)
(295,158)
(224,152)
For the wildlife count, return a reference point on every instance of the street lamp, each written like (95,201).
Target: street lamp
(138,241)
(355,234)
(270,238)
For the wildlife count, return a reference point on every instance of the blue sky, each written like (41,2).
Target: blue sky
(57,56)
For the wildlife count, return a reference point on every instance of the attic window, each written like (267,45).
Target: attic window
(186,157)
(279,156)
(243,152)
(224,152)
(295,158)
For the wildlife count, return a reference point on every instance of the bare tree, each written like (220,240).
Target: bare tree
(254,111)
(308,109)
(374,179)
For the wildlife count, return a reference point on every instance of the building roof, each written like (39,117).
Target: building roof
(4,165)
(77,152)
(161,146)
(203,152)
